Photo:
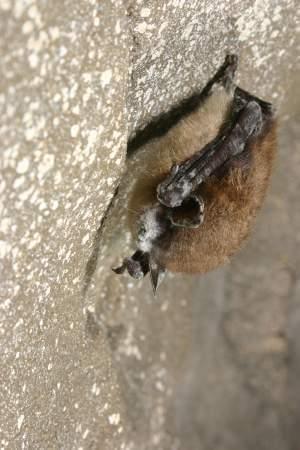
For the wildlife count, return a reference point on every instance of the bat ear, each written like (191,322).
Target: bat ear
(157,273)
(137,265)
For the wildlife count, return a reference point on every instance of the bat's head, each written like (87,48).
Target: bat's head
(155,230)
(152,231)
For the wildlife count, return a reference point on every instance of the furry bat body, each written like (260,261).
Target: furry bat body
(201,185)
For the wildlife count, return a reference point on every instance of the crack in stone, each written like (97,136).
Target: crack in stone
(91,264)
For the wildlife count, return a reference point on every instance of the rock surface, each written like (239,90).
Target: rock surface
(90,360)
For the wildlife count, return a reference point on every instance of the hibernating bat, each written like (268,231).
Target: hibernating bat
(200,185)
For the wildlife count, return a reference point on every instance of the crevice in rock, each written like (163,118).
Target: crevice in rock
(91,264)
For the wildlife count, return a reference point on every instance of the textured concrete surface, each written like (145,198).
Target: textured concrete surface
(177,45)
(90,360)
(63,139)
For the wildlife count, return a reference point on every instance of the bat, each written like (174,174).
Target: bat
(199,186)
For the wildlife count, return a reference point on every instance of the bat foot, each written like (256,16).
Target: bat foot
(190,214)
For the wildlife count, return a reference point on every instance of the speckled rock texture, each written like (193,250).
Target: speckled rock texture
(90,360)
(63,140)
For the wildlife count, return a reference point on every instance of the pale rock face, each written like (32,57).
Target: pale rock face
(88,359)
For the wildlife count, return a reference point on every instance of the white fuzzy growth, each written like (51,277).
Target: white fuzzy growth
(152,229)
(186,188)
(175,194)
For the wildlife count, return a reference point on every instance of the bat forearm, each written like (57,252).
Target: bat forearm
(180,184)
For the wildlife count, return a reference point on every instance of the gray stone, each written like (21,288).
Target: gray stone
(63,140)
(90,360)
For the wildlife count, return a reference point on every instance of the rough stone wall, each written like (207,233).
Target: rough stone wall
(89,360)
(63,141)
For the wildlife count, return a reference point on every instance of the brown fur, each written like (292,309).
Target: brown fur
(231,207)
(231,204)
(182,141)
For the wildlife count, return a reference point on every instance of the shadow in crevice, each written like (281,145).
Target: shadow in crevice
(91,264)
(92,326)
(162,123)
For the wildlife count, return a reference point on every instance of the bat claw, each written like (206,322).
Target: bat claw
(157,274)
(174,169)
(119,270)
(232,59)
(230,67)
